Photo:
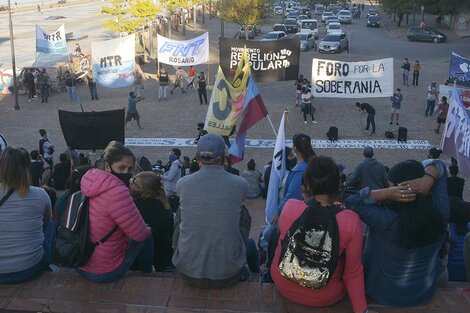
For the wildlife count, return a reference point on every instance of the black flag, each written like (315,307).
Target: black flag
(92,130)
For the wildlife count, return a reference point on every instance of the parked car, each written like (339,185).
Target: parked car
(306,11)
(334,43)
(278,10)
(325,15)
(301,18)
(331,19)
(372,11)
(311,25)
(280,27)
(307,40)
(277,35)
(291,25)
(373,21)
(293,14)
(319,9)
(344,16)
(251,32)
(425,33)
(334,28)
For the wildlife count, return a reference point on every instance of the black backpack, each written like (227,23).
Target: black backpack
(310,249)
(72,246)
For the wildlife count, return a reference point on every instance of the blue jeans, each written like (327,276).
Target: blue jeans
(19,277)
(72,94)
(44,95)
(252,256)
(430,107)
(93,92)
(142,251)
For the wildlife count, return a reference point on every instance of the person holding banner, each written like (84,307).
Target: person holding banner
(443,108)
(397,98)
(180,76)
(163,80)
(191,77)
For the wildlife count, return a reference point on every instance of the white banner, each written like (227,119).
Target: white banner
(114,62)
(51,43)
(270,143)
(185,52)
(339,79)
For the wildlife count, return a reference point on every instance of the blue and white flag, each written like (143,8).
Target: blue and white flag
(183,52)
(278,171)
(51,43)
(459,71)
(114,62)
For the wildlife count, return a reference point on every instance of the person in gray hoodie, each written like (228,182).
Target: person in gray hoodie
(369,172)
(172,172)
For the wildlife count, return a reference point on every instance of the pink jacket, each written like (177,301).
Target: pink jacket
(110,204)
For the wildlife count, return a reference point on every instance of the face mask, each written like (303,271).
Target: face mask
(171,157)
(124,177)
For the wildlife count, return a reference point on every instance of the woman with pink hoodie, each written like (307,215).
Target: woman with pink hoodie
(111,205)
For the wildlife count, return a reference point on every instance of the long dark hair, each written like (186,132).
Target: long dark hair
(321,177)
(303,145)
(420,224)
(459,214)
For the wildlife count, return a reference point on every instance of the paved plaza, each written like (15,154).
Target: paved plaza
(177,118)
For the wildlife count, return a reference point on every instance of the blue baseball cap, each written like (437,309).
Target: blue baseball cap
(210,146)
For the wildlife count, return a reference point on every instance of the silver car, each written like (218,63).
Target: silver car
(307,40)
(344,16)
(334,43)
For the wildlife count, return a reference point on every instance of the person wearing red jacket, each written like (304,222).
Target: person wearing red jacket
(320,183)
(111,204)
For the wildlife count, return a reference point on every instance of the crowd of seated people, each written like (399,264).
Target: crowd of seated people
(416,237)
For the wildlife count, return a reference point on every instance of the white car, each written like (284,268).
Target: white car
(344,16)
(325,15)
(307,40)
(311,25)
(334,28)
(278,10)
(274,36)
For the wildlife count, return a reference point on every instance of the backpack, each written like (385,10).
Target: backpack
(72,246)
(310,249)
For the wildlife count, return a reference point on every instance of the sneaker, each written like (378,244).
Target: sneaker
(398,124)
(391,123)
(314,122)
(305,122)
(371,134)
(53,268)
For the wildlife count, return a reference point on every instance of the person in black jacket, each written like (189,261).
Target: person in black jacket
(201,88)
(455,184)
(366,108)
(61,172)
(150,199)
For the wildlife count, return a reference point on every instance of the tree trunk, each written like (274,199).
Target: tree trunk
(203,15)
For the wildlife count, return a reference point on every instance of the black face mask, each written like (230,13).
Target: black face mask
(124,177)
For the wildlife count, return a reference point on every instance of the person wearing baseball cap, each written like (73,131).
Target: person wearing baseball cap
(210,241)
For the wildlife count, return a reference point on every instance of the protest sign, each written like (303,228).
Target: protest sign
(340,79)
(51,43)
(183,52)
(459,71)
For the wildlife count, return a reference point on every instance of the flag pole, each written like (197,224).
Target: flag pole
(272,125)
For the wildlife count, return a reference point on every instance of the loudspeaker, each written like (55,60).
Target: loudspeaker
(402,134)
(389,134)
(332,133)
